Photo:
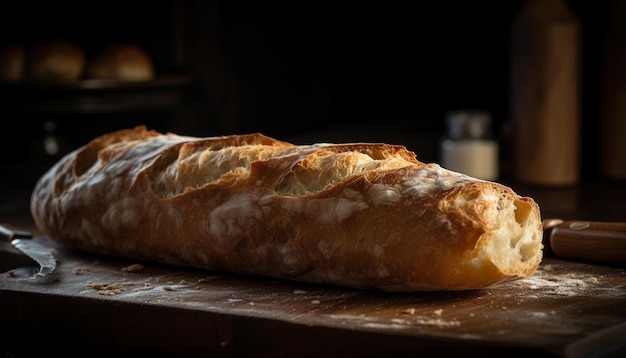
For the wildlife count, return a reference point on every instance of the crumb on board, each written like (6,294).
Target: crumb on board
(548,268)
(408,311)
(10,273)
(80,270)
(105,289)
(438,312)
(315,302)
(133,268)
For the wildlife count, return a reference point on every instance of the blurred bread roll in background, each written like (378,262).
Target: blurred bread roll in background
(55,60)
(12,59)
(122,61)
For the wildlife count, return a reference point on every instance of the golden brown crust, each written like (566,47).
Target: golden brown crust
(359,215)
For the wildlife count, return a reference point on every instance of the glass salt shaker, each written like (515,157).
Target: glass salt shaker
(468,146)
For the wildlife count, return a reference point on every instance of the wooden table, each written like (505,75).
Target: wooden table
(101,306)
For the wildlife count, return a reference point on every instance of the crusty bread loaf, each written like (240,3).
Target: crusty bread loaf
(123,62)
(359,215)
(56,60)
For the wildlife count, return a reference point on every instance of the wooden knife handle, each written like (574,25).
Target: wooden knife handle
(10,232)
(591,241)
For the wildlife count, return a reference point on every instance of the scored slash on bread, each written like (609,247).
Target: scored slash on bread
(361,215)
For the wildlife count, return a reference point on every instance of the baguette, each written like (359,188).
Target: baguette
(361,215)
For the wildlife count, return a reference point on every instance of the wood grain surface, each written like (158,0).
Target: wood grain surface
(127,306)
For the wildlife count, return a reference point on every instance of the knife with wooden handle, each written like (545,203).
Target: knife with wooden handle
(589,241)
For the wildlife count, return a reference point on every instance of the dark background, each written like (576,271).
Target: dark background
(297,71)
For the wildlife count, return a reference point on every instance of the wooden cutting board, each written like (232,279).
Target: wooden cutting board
(564,309)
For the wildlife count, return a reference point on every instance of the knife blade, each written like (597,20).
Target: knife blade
(588,241)
(23,241)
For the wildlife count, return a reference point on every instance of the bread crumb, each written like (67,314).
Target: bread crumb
(409,311)
(591,279)
(133,268)
(113,292)
(168,288)
(299,292)
(251,304)
(80,270)
(105,289)
(315,302)
(548,268)
(182,282)
(438,312)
